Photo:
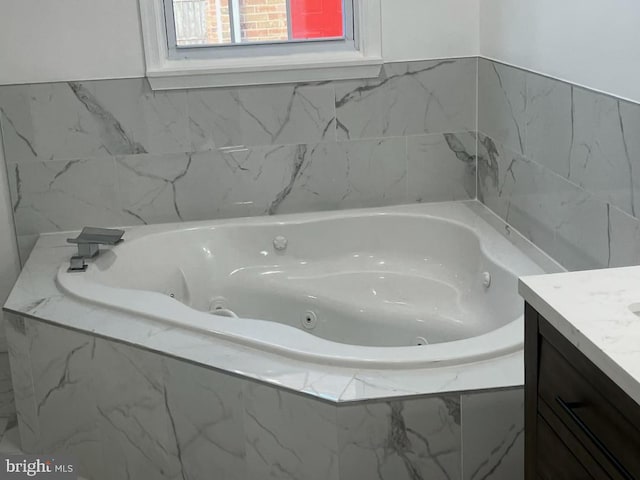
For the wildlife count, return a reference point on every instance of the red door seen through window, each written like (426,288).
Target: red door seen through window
(316,19)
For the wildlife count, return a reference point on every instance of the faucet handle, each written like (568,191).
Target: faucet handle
(77,264)
(91,237)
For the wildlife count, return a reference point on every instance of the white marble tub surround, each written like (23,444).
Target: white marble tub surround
(151,157)
(594,310)
(36,295)
(560,163)
(142,415)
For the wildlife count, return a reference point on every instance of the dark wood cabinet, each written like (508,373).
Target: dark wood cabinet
(578,423)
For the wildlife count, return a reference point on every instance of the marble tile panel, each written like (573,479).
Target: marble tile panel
(208,185)
(80,120)
(39,123)
(22,381)
(582,239)
(493,435)
(133,414)
(441,167)
(265,115)
(3,337)
(10,443)
(289,436)
(376,172)
(497,182)
(564,220)
(624,238)
(61,368)
(287,114)
(550,123)
(25,246)
(351,174)
(16,124)
(5,423)
(587,138)
(154,121)
(326,382)
(214,118)
(206,417)
(322,182)
(149,186)
(629,123)
(409,98)
(605,158)
(256,181)
(502,104)
(58,196)
(404,439)
(7,405)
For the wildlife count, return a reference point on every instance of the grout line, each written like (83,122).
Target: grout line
(406,170)
(477,124)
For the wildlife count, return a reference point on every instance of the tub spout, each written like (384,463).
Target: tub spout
(89,242)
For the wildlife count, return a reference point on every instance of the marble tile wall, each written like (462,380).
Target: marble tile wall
(7,407)
(401,440)
(558,162)
(139,414)
(561,164)
(114,152)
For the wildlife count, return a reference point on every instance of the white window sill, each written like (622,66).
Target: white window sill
(309,67)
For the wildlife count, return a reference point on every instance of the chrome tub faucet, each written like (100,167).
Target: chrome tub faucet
(89,242)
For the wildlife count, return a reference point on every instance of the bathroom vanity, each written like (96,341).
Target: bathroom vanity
(582,372)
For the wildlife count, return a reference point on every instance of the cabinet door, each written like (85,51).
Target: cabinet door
(589,404)
(559,450)
(555,461)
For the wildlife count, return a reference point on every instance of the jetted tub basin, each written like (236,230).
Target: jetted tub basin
(391,287)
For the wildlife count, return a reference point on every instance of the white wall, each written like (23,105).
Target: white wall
(422,29)
(595,43)
(59,40)
(9,264)
(46,40)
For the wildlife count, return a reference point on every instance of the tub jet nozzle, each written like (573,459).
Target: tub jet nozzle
(280,243)
(486,279)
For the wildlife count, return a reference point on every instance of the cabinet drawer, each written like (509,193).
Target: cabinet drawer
(556,461)
(584,407)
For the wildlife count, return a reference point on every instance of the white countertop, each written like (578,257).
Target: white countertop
(593,310)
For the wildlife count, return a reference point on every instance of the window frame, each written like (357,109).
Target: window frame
(261,63)
(252,49)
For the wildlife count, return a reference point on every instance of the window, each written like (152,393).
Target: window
(227,22)
(199,43)
(257,27)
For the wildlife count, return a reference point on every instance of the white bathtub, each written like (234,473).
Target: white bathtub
(384,288)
